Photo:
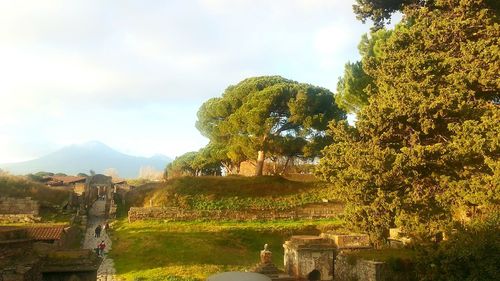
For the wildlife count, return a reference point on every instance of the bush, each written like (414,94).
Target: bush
(470,254)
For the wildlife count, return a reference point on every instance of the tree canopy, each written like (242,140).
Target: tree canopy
(356,86)
(268,114)
(426,147)
(194,163)
(380,11)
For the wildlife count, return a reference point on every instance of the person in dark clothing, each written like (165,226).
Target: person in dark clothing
(98,231)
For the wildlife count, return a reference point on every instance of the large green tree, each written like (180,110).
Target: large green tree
(269,114)
(356,86)
(428,143)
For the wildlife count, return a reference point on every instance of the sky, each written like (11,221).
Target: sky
(132,74)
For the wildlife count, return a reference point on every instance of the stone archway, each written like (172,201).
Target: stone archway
(314,275)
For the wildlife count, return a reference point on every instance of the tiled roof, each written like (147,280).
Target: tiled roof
(46,232)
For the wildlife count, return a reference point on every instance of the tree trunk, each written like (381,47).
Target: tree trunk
(260,163)
(285,166)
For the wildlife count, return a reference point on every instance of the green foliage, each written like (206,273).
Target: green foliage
(470,254)
(35,178)
(351,95)
(427,144)
(354,88)
(380,11)
(270,114)
(232,193)
(195,163)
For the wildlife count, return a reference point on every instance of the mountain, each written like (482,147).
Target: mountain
(82,158)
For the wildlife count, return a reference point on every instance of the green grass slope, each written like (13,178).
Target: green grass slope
(192,251)
(231,193)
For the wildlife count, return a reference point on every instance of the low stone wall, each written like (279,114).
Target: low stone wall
(351,269)
(313,211)
(19,218)
(10,205)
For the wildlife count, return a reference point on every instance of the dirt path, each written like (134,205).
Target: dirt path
(97,216)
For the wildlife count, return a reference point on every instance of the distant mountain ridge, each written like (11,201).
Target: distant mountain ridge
(81,158)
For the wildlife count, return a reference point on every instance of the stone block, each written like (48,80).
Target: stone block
(349,241)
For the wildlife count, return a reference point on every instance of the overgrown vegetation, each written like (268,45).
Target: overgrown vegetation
(231,193)
(20,187)
(470,254)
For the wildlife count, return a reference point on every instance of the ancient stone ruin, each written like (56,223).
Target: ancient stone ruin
(325,257)
(309,255)
(309,211)
(17,210)
(23,258)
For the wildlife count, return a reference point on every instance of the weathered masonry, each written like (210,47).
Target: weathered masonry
(325,257)
(14,210)
(310,211)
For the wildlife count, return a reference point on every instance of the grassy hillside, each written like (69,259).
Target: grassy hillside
(191,251)
(19,187)
(231,193)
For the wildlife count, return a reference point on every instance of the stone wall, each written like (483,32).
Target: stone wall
(19,218)
(18,210)
(312,211)
(350,269)
(17,261)
(349,241)
(10,205)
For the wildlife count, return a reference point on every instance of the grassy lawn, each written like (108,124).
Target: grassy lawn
(182,251)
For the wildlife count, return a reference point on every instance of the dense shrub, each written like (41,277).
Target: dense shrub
(470,254)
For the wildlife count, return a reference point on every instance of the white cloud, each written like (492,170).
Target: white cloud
(100,66)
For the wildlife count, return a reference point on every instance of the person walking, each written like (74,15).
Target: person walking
(101,247)
(98,231)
